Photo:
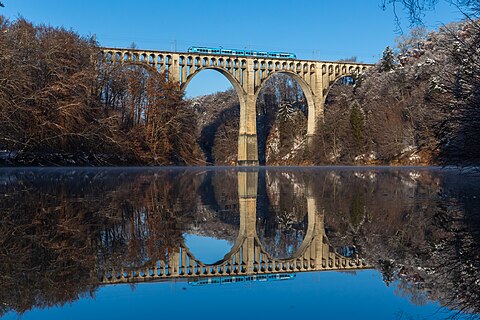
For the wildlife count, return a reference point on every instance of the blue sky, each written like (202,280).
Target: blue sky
(328,30)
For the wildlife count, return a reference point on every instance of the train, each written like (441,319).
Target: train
(246,53)
(236,279)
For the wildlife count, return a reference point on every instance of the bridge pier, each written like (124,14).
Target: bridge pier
(247,150)
(247,136)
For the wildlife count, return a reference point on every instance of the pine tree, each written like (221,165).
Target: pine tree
(357,124)
(387,62)
(285,111)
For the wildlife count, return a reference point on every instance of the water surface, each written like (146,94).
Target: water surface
(120,243)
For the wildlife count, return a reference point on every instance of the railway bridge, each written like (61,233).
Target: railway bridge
(247,256)
(247,75)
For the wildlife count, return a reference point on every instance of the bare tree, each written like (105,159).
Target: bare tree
(59,104)
(416,9)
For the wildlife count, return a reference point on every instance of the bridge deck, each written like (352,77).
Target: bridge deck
(196,54)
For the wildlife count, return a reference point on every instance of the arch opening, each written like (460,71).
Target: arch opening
(150,107)
(341,89)
(130,91)
(341,133)
(284,103)
(217,97)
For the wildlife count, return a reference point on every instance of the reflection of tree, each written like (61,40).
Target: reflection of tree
(46,255)
(420,229)
(286,220)
(150,221)
(55,227)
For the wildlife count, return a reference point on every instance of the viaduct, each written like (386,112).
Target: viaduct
(247,76)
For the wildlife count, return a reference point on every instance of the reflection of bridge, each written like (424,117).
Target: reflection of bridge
(247,75)
(248,256)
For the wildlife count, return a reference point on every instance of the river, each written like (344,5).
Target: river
(125,243)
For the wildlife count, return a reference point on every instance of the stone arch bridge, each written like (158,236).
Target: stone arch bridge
(247,256)
(247,76)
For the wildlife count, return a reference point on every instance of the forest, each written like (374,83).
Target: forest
(63,104)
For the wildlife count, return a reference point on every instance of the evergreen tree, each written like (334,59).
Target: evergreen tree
(357,124)
(387,62)
(285,111)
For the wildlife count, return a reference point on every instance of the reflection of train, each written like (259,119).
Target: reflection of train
(237,52)
(237,279)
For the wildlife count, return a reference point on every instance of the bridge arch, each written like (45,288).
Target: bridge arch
(120,59)
(307,91)
(354,75)
(234,82)
(151,70)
